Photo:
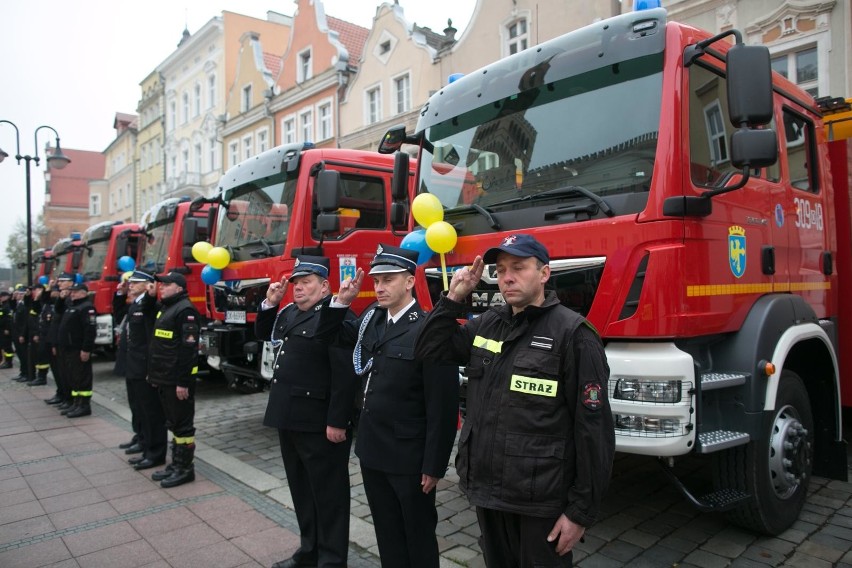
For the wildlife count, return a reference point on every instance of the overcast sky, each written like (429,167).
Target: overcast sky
(73,64)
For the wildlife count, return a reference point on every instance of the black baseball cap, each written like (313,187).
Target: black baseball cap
(305,265)
(5,293)
(390,259)
(65,276)
(79,288)
(172,278)
(520,245)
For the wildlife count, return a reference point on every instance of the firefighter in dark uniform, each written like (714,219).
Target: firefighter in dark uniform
(119,311)
(49,328)
(409,411)
(6,316)
(536,449)
(173,367)
(19,332)
(77,330)
(141,313)
(41,313)
(311,401)
(62,398)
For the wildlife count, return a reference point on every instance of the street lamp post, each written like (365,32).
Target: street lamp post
(56,160)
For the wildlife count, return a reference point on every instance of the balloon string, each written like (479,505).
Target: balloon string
(444,272)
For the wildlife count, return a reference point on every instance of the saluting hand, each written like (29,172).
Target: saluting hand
(465,280)
(350,287)
(275,292)
(151,289)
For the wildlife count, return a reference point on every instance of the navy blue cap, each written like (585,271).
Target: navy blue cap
(390,259)
(140,276)
(5,293)
(520,245)
(65,276)
(310,265)
(172,278)
(79,288)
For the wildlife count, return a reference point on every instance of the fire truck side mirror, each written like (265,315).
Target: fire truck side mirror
(754,148)
(190,231)
(393,139)
(76,257)
(749,85)
(328,191)
(399,184)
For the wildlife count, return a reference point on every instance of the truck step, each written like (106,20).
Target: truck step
(713,381)
(723,500)
(717,440)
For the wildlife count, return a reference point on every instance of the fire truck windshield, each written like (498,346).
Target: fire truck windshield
(524,156)
(254,219)
(156,248)
(94,258)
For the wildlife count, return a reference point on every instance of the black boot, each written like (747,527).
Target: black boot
(164,473)
(37,382)
(184,471)
(7,363)
(69,405)
(83,409)
(57,399)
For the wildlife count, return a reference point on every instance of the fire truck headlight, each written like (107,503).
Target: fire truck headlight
(629,388)
(650,424)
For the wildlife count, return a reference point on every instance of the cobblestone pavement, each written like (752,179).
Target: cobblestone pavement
(645,522)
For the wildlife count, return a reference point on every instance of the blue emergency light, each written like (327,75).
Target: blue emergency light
(640,5)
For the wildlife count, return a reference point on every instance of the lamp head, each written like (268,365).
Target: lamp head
(3,155)
(57,159)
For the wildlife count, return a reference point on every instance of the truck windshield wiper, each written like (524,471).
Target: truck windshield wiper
(559,192)
(492,222)
(265,252)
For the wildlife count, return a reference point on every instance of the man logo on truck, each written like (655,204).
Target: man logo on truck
(737,250)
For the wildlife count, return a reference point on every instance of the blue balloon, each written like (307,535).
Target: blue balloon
(43,280)
(210,275)
(78,278)
(126,263)
(416,241)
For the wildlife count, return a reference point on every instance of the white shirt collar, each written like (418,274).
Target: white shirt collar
(399,314)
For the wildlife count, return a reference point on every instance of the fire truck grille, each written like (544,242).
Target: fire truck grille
(246,298)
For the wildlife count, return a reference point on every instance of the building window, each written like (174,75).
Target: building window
(402,92)
(305,69)
(262,141)
(374,105)
(288,131)
(517,36)
(185,108)
(128,196)
(325,121)
(801,67)
(716,135)
(197,95)
(248,151)
(211,91)
(94,205)
(197,152)
(384,47)
(185,158)
(306,122)
(211,144)
(245,103)
(234,153)
(156,150)
(172,115)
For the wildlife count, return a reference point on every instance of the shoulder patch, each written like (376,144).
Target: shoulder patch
(592,396)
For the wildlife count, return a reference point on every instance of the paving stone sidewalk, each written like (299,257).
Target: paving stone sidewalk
(644,521)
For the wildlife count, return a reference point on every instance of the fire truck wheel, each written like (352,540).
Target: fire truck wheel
(776,469)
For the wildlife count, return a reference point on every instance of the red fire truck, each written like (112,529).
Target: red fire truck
(67,255)
(684,193)
(292,200)
(42,263)
(170,230)
(103,244)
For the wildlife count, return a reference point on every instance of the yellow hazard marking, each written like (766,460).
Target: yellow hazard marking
(164,333)
(754,288)
(194,371)
(489,344)
(184,440)
(531,385)
(195,299)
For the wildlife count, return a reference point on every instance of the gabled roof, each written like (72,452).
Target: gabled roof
(272,63)
(352,36)
(435,40)
(69,187)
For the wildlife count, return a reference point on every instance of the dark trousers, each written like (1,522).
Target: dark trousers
(78,373)
(153,436)
(62,387)
(404,517)
(22,350)
(180,414)
(510,540)
(135,411)
(41,352)
(318,475)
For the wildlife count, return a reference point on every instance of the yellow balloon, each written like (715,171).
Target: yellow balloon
(218,258)
(126,275)
(441,237)
(427,209)
(200,251)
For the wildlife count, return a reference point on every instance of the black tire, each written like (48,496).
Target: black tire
(776,477)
